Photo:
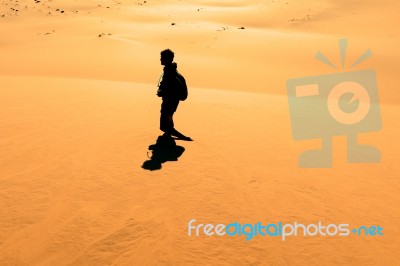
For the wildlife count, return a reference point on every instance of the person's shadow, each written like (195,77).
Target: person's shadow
(165,149)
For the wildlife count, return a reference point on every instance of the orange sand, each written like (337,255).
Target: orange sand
(79,110)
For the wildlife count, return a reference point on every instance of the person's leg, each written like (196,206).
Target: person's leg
(165,116)
(171,121)
(166,123)
(174,106)
(168,107)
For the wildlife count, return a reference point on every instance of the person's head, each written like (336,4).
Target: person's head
(167,56)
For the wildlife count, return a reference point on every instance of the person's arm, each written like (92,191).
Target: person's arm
(165,84)
(160,85)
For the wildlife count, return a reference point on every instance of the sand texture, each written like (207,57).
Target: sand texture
(79,111)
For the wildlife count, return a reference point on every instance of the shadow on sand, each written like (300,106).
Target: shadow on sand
(165,149)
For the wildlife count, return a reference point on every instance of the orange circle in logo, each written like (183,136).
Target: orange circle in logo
(359,93)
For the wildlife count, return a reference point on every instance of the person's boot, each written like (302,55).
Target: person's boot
(179,135)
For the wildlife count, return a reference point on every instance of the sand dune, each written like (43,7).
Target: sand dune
(204,32)
(73,190)
(79,112)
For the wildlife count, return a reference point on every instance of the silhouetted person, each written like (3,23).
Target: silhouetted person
(167,89)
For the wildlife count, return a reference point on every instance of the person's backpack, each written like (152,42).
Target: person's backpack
(181,87)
